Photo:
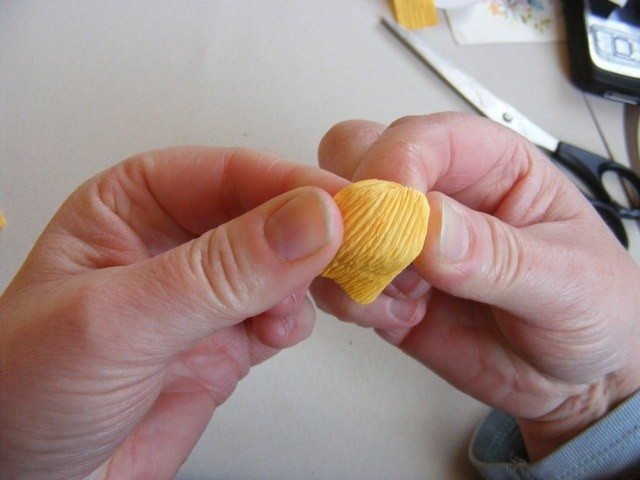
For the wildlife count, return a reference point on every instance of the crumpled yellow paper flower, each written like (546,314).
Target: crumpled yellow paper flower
(385,225)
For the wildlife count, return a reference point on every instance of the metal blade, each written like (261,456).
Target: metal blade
(632,135)
(473,92)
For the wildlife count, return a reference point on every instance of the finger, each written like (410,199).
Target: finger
(383,313)
(157,200)
(458,341)
(476,256)
(285,330)
(342,147)
(236,271)
(223,183)
(289,305)
(408,285)
(165,437)
(478,162)
(169,431)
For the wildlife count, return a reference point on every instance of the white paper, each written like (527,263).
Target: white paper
(507,21)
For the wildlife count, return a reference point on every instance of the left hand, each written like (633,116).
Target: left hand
(151,293)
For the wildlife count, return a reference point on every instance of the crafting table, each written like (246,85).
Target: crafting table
(84,84)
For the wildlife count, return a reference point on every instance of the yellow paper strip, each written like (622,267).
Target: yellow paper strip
(3,220)
(414,14)
(385,225)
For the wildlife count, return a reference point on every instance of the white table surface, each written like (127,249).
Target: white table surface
(84,84)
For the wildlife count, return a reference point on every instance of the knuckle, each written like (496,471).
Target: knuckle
(407,119)
(335,136)
(83,319)
(224,271)
(509,262)
(332,146)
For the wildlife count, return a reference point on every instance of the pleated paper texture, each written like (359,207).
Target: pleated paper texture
(385,225)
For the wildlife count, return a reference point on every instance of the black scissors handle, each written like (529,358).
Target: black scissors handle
(590,168)
(610,216)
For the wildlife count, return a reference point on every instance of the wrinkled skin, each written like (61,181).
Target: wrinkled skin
(521,297)
(161,281)
(151,293)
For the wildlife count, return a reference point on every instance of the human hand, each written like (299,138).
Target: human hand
(521,296)
(151,293)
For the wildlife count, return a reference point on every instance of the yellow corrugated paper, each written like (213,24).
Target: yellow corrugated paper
(414,14)
(385,225)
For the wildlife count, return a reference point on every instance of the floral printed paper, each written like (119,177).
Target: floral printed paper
(507,21)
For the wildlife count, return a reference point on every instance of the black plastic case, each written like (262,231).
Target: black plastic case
(585,73)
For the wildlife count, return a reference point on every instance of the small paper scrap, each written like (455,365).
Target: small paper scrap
(3,220)
(415,14)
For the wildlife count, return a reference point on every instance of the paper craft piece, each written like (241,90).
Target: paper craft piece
(385,225)
(507,21)
(414,14)
(3,220)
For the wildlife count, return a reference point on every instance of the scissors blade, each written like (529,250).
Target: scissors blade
(473,92)
(632,134)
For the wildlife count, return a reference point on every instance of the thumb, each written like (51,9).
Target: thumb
(476,256)
(233,272)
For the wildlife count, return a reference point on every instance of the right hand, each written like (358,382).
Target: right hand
(521,297)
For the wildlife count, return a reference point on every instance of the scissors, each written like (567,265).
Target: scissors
(586,166)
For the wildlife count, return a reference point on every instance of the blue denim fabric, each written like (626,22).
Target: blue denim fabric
(609,449)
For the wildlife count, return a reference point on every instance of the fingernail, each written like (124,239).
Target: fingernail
(403,311)
(300,227)
(409,285)
(286,325)
(454,234)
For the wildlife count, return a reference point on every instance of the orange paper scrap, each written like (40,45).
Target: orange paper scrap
(414,14)
(3,220)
